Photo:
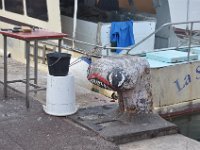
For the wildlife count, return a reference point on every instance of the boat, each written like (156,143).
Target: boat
(159,27)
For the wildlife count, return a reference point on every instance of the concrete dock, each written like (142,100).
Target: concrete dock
(32,129)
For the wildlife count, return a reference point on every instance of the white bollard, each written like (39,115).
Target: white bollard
(60,96)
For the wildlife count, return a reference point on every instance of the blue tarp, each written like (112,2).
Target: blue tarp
(122,34)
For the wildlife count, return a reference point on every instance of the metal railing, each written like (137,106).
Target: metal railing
(129,49)
(191,23)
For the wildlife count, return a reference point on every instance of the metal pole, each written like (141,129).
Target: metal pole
(59,45)
(187,17)
(190,41)
(75,22)
(27,72)
(5,66)
(35,62)
(107,52)
(43,54)
(188,10)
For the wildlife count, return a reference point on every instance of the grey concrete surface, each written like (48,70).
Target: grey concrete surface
(34,130)
(122,128)
(170,142)
(22,129)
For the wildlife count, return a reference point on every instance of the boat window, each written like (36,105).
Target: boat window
(97,10)
(67,7)
(113,5)
(37,9)
(15,6)
(0,4)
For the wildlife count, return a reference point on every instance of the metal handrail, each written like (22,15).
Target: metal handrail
(137,44)
(140,42)
(160,28)
(98,46)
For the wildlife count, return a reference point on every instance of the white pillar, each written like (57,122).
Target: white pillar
(60,95)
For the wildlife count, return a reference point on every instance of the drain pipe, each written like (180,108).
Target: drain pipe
(74,22)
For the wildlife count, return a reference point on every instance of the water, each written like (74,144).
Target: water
(188,125)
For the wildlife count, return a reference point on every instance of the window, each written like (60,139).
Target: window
(15,6)
(0,4)
(37,9)
(90,10)
(67,7)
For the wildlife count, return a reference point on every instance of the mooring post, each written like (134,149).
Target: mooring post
(129,76)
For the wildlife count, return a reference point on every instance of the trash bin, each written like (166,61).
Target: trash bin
(58,63)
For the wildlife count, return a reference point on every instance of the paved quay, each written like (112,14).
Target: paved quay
(170,142)
(22,129)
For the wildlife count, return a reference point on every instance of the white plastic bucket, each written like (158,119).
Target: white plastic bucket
(60,95)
